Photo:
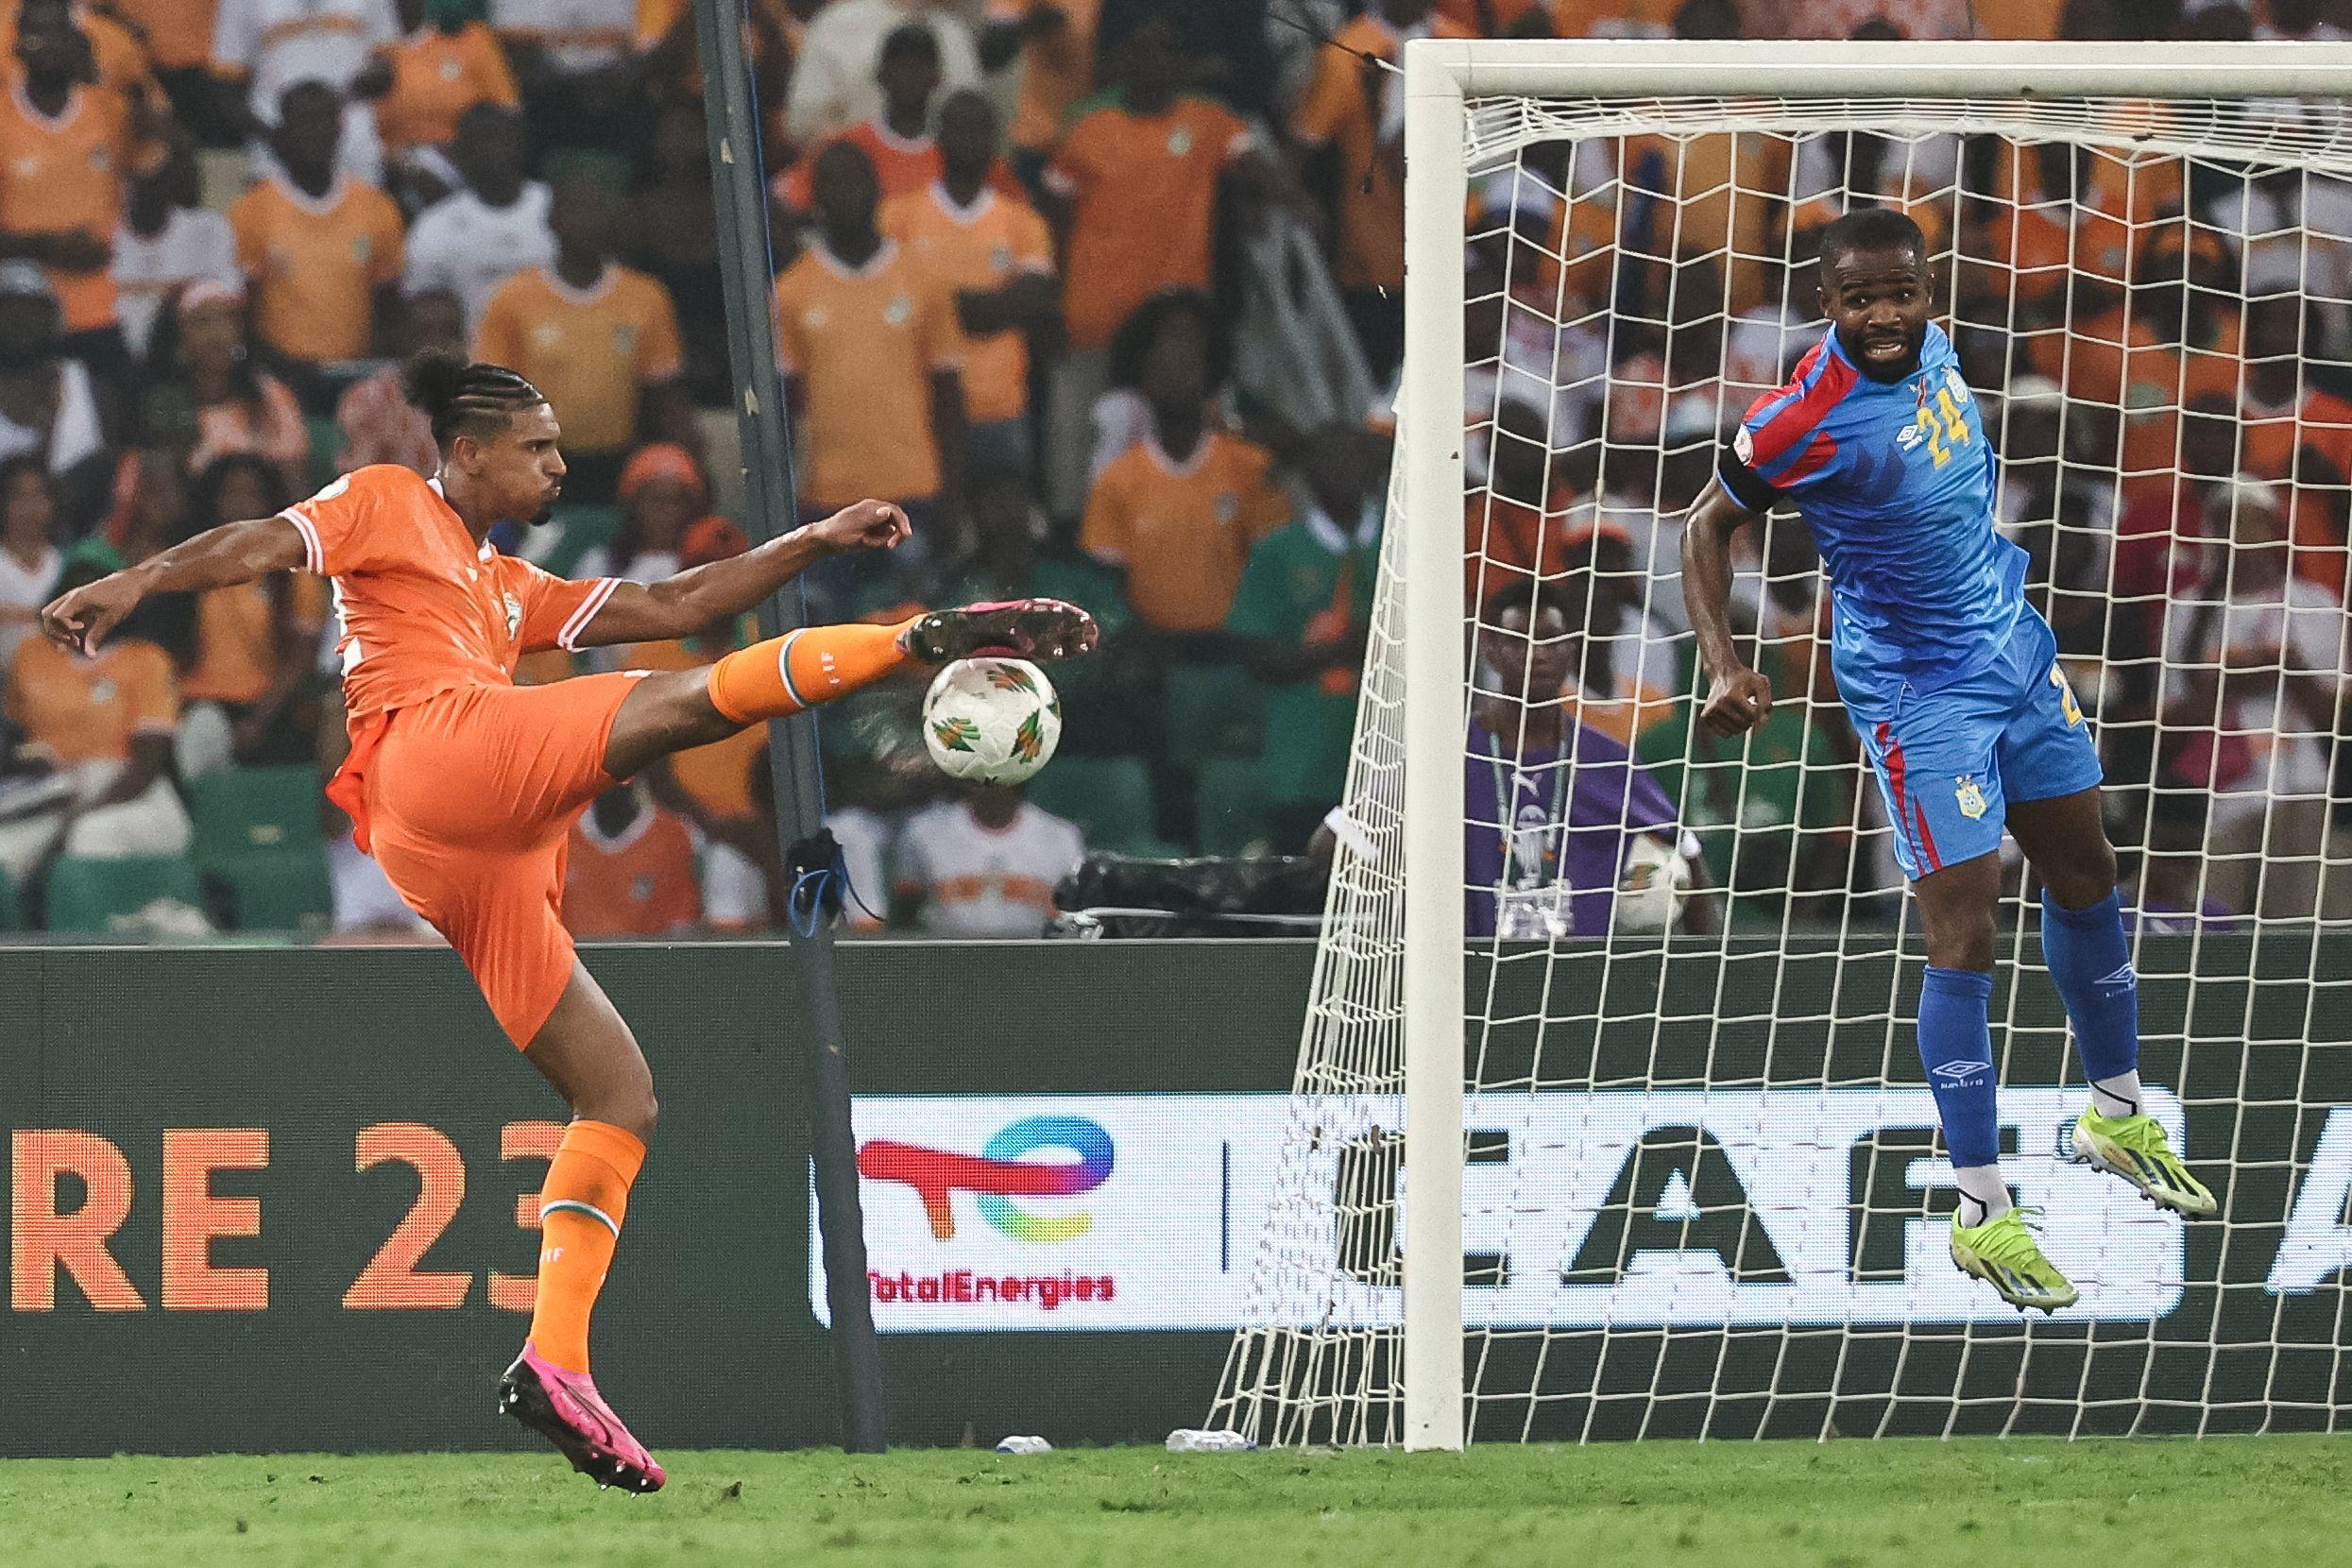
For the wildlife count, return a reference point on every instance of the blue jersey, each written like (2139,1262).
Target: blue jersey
(1895,481)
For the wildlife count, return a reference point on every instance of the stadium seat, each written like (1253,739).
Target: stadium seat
(1108,796)
(90,895)
(279,890)
(1229,807)
(581,529)
(325,442)
(1214,710)
(242,811)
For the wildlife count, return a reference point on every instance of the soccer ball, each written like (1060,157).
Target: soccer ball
(991,720)
(1649,893)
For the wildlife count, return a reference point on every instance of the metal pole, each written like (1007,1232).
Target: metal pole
(731,117)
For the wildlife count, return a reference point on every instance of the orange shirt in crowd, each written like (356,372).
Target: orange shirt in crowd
(122,63)
(68,173)
(237,637)
(437,76)
(178,33)
(640,883)
(1341,112)
(717,775)
(863,343)
(1143,194)
(901,166)
(593,351)
(315,264)
(1508,542)
(2270,444)
(425,609)
(978,248)
(86,709)
(1057,70)
(1182,531)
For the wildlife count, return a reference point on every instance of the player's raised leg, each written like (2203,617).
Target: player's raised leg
(803,669)
(2089,959)
(586,1051)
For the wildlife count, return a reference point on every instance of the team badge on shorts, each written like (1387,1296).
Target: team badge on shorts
(1971,798)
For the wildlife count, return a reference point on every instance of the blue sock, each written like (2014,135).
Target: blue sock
(1956,1048)
(2090,964)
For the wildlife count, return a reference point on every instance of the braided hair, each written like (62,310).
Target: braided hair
(463,396)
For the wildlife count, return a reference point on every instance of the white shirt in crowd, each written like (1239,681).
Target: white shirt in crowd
(2262,636)
(975,880)
(195,245)
(279,42)
(577,36)
(25,587)
(833,86)
(364,897)
(464,245)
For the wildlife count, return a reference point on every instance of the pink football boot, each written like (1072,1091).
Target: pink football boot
(565,1408)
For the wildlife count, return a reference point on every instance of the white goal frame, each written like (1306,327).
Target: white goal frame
(1442,78)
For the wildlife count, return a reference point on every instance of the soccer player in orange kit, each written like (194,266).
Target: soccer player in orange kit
(465,786)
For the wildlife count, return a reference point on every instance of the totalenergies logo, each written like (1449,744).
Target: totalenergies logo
(997,1174)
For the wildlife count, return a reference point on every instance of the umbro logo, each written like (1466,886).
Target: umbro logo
(1960,1074)
(2122,979)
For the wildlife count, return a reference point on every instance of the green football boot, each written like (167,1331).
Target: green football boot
(2136,1149)
(2003,1254)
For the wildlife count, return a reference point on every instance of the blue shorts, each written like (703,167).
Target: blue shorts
(1949,761)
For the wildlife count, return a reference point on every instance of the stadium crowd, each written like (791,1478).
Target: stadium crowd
(1108,294)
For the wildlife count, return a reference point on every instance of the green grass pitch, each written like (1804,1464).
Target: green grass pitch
(2281,1502)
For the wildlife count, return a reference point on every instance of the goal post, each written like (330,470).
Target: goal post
(1379,1314)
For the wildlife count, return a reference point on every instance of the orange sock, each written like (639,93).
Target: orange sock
(799,670)
(582,1202)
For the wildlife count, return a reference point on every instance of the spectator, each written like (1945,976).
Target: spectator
(263,47)
(30,561)
(177,39)
(254,643)
(997,255)
(150,500)
(897,137)
(1357,112)
(2298,432)
(1554,806)
(867,343)
(1180,511)
(117,60)
(49,403)
(449,63)
(1516,525)
(1134,192)
(662,495)
(984,862)
(67,152)
(378,422)
(492,227)
(836,79)
(321,250)
(599,339)
(631,869)
(1057,72)
(676,241)
(211,400)
(107,721)
(1301,612)
(715,780)
(576,62)
(168,240)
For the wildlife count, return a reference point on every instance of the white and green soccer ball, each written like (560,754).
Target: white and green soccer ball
(992,720)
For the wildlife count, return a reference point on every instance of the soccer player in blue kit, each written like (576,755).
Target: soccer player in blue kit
(1952,682)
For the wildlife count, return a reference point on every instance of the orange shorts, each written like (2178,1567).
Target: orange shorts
(466,800)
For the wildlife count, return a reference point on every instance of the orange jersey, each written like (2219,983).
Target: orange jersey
(1057,70)
(1143,194)
(1182,531)
(863,343)
(1342,109)
(593,351)
(901,166)
(978,248)
(315,264)
(437,76)
(88,708)
(123,64)
(425,609)
(178,33)
(639,884)
(67,173)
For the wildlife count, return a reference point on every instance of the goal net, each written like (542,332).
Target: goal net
(1700,1190)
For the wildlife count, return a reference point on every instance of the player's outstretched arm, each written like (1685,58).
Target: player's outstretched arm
(218,557)
(685,604)
(1738,698)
